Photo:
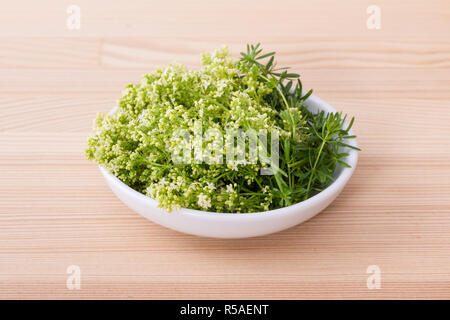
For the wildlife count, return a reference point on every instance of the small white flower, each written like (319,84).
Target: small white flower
(172,186)
(229,203)
(203,201)
(211,186)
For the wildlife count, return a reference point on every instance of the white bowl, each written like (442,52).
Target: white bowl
(233,225)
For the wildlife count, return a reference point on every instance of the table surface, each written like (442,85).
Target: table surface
(56,210)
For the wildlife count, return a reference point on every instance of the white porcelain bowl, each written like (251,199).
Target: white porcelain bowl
(232,225)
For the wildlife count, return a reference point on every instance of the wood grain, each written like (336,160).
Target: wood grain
(56,210)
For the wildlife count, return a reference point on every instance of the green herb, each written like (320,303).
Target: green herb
(136,142)
(309,162)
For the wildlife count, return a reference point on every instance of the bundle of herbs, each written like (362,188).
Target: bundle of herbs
(138,141)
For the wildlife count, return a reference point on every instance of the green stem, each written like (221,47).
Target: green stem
(324,141)
(281,93)
(292,136)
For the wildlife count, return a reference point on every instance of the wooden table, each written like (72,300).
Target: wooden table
(56,210)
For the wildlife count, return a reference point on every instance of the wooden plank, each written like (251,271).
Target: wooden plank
(56,210)
(225,19)
(371,83)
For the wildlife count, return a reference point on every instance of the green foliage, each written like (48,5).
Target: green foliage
(313,148)
(135,143)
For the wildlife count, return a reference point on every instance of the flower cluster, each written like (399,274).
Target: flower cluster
(135,143)
(155,118)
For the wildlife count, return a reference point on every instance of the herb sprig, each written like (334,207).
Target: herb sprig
(308,163)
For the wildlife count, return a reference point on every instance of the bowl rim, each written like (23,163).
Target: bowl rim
(338,183)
